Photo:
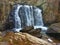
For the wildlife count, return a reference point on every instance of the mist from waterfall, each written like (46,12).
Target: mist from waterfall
(26,15)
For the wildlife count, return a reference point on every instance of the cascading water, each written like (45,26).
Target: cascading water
(26,15)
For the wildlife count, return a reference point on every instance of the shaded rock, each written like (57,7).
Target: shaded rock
(27,28)
(39,35)
(54,28)
(23,39)
(34,32)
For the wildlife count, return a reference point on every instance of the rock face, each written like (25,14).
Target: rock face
(58,18)
(22,39)
(49,18)
(51,13)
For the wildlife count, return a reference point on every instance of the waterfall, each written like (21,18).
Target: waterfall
(26,15)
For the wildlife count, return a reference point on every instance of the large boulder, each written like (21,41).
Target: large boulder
(54,30)
(11,38)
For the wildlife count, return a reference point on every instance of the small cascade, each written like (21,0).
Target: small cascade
(26,15)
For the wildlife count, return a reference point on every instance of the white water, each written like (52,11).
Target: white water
(42,27)
(29,15)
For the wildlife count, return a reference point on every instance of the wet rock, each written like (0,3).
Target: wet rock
(34,32)
(27,28)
